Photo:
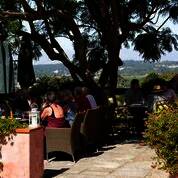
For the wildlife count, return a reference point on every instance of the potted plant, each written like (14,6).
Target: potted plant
(21,149)
(8,128)
(162,135)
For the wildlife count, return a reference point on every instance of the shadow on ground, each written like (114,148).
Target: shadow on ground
(50,173)
(59,156)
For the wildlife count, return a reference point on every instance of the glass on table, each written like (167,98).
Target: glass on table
(17,115)
(25,115)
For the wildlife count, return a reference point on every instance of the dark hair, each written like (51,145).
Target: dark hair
(134,82)
(78,91)
(51,96)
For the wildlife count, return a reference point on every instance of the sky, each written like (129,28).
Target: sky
(126,54)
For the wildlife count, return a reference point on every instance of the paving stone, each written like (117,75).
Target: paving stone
(96,172)
(131,172)
(78,176)
(137,169)
(125,157)
(139,164)
(77,169)
(158,174)
(59,164)
(129,160)
(108,164)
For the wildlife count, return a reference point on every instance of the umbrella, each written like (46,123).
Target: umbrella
(26,75)
(6,69)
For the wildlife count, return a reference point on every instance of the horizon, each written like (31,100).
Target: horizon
(126,54)
(58,62)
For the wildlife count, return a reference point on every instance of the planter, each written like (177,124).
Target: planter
(22,156)
(174,176)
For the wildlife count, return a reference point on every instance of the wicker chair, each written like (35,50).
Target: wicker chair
(64,139)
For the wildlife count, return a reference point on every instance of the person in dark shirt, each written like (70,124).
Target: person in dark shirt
(134,95)
(52,114)
(82,102)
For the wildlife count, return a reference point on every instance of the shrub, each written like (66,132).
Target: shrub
(8,127)
(162,135)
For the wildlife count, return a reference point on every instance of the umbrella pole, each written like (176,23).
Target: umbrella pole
(4,66)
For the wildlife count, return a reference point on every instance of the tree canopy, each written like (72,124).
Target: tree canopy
(98,29)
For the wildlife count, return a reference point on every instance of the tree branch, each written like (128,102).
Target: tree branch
(163,23)
(47,47)
(79,45)
(19,15)
(26,6)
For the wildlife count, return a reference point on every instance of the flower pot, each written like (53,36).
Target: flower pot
(173,176)
(22,155)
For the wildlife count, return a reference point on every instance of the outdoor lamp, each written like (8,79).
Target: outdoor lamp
(34,118)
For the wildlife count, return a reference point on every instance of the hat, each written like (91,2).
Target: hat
(157,89)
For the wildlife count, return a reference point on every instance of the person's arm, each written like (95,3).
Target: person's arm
(173,95)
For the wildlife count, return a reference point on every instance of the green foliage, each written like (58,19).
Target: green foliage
(154,78)
(162,135)
(153,44)
(167,75)
(54,83)
(149,81)
(92,27)
(147,45)
(8,127)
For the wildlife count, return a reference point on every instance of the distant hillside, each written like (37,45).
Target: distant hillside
(50,69)
(142,68)
(130,67)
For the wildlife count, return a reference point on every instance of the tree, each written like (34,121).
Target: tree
(98,30)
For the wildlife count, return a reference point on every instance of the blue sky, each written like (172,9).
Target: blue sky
(126,54)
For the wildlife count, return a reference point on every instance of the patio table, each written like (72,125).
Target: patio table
(138,111)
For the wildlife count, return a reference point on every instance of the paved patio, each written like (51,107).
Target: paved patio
(122,160)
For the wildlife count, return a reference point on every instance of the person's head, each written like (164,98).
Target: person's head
(50,97)
(134,84)
(67,95)
(78,92)
(85,90)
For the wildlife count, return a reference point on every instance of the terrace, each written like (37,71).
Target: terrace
(128,159)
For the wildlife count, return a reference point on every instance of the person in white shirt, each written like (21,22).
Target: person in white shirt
(169,93)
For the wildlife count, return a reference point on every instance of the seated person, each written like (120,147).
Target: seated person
(69,114)
(52,114)
(82,103)
(134,95)
(69,106)
(169,93)
(5,109)
(20,102)
(89,97)
(156,98)
(69,99)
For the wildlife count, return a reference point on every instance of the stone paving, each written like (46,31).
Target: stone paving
(123,160)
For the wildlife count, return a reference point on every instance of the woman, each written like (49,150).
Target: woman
(52,114)
(82,102)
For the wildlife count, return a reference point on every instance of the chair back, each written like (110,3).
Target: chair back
(64,139)
(92,126)
(76,144)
